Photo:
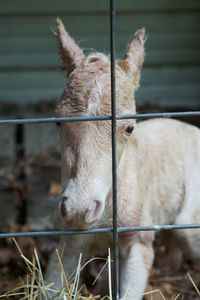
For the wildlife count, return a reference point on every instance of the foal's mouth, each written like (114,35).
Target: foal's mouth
(77,223)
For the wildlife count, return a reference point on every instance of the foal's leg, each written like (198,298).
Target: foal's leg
(190,213)
(70,249)
(135,270)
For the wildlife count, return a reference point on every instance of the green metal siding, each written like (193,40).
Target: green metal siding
(29,64)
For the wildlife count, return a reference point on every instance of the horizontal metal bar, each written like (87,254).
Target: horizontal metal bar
(160,115)
(98,230)
(99,118)
(159,227)
(54,120)
(54,232)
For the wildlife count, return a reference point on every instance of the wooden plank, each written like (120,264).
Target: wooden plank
(86,25)
(160,23)
(170,76)
(181,95)
(172,57)
(176,95)
(28,61)
(27,44)
(71,6)
(25,61)
(157,5)
(31,26)
(30,80)
(25,97)
(159,41)
(7,151)
(49,44)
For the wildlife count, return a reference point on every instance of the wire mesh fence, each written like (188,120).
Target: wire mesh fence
(115,230)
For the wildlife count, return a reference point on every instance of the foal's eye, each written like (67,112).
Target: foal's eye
(129,130)
(58,124)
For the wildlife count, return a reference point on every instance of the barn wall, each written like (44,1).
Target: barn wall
(30,79)
(29,65)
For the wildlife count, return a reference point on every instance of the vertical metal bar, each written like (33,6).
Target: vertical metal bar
(114,171)
(20,198)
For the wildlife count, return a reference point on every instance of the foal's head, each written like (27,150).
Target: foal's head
(86,146)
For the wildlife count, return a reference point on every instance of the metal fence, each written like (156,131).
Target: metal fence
(115,230)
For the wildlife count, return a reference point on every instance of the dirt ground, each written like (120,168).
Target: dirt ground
(182,285)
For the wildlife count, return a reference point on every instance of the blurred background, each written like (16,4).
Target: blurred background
(31,81)
(29,62)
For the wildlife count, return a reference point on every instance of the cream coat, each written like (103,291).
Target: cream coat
(158,169)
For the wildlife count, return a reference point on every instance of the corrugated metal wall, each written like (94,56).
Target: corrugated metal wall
(29,65)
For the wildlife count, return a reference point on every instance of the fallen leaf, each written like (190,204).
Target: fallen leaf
(54,189)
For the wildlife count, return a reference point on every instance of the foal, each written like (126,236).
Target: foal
(158,167)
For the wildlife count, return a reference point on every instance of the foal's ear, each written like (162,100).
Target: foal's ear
(134,56)
(71,54)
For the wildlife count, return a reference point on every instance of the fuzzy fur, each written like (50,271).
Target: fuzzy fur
(158,167)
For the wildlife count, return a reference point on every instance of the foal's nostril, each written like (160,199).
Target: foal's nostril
(94,213)
(63,210)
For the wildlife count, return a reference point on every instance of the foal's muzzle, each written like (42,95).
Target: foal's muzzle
(83,218)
